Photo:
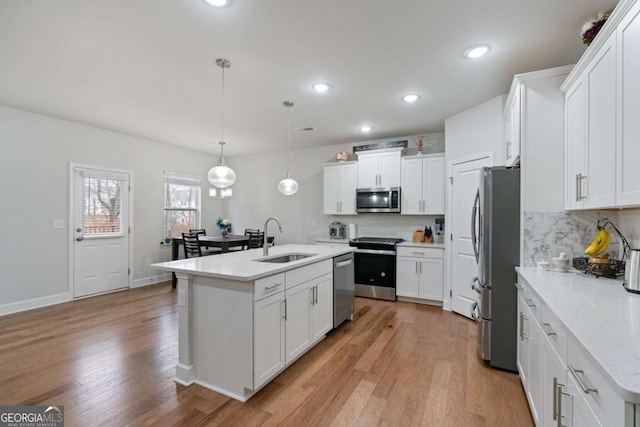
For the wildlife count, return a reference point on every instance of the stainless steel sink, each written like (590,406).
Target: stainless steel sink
(281,259)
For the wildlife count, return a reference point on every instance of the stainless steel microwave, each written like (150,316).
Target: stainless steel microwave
(378,199)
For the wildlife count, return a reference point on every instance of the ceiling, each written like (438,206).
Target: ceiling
(147,67)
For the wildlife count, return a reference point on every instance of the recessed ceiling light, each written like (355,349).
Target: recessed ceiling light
(412,97)
(366,128)
(218,3)
(477,51)
(321,87)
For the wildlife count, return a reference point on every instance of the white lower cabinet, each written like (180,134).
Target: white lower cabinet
(420,273)
(309,314)
(573,407)
(529,357)
(268,338)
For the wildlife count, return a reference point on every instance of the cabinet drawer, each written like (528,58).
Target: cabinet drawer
(607,405)
(268,286)
(530,298)
(419,252)
(308,272)
(555,331)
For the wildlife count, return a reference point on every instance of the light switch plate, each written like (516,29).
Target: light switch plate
(182,298)
(58,223)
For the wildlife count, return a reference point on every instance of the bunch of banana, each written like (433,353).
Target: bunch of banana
(599,244)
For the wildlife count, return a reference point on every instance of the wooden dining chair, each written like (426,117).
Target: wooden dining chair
(200,231)
(193,248)
(256,240)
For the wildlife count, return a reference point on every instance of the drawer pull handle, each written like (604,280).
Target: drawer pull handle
(547,329)
(418,253)
(268,288)
(580,380)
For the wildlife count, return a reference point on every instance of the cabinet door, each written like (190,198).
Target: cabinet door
(389,169)
(368,171)
(411,193)
(268,338)
(628,172)
(523,351)
(331,189)
(431,278)
(298,320)
(507,137)
(407,277)
(535,368)
(322,321)
(601,134)
(554,374)
(348,179)
(575,143)
(575,411)
(433,189)
(513,146)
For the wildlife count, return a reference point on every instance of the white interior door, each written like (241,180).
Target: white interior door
(100,242)
(463,262)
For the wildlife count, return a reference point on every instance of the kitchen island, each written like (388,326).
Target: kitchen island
(244,317)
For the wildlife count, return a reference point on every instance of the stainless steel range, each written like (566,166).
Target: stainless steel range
(375,267)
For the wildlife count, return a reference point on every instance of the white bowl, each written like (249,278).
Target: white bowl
(560,264)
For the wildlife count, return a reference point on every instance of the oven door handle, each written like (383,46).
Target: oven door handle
(374,251)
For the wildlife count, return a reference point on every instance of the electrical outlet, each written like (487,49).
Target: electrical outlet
(182,298)
(58,223)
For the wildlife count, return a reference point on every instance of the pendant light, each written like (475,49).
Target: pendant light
(222,176)
(288,186)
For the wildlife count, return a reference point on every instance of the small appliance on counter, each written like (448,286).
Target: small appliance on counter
(632,277)
(352,231)
(439,231)
(337,230)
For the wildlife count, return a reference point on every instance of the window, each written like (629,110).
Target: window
(181,204)
(101,202)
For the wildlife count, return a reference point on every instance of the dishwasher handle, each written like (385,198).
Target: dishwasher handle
(344,263)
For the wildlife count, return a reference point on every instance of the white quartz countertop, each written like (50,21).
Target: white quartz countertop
(603,318)
(422,245)
(336,241)
(242,265)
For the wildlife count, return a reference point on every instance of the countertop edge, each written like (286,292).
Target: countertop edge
(277,268)
(629,395)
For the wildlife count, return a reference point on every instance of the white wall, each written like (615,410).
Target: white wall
(477,130)
(256,197)
(36,153)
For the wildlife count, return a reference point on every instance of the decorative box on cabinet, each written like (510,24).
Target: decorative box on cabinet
(379,168)
(423,185)
(419,274)
(340,188)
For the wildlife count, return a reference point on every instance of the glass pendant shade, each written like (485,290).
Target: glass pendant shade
(288,186)
(221,176)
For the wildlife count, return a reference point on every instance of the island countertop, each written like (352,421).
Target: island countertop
(242,265)
(602,317)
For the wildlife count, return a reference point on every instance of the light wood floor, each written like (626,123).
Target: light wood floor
(110,361)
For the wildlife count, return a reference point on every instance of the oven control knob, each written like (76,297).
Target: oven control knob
(382,274)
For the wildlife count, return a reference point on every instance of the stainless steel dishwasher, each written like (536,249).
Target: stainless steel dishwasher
(343,288)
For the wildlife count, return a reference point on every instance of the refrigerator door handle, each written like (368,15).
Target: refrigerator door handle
(473,285)
(474,237)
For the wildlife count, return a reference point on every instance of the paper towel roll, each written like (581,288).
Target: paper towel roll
(352,231)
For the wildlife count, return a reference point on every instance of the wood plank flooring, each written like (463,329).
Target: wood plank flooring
(110,361)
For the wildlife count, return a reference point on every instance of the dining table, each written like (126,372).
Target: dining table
(224,243)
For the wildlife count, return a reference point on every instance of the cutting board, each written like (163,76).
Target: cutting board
(418,236)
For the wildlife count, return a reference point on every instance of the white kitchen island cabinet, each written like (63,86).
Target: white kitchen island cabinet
(379,168)
(242,321)
(584,332)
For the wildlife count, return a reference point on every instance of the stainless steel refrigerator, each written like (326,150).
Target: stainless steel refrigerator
(495,233)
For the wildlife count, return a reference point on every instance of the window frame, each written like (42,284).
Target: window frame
(178,178)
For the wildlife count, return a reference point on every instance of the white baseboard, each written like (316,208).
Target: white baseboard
(151,280)
(16,307)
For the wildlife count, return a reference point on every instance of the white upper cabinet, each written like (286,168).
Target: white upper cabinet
(423,189)
(602,129)
(512,125)
(340,189)
(379,169)
(628,147)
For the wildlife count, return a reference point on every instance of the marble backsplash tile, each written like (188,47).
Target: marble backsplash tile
(546,234)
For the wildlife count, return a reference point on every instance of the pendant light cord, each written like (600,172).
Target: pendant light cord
(288,136)
(222,122)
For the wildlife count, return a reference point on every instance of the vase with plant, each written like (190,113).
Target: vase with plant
(591,28)
(419,141)
(224,225)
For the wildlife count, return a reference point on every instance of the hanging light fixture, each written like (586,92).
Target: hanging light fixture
(288,185)
(222,176)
